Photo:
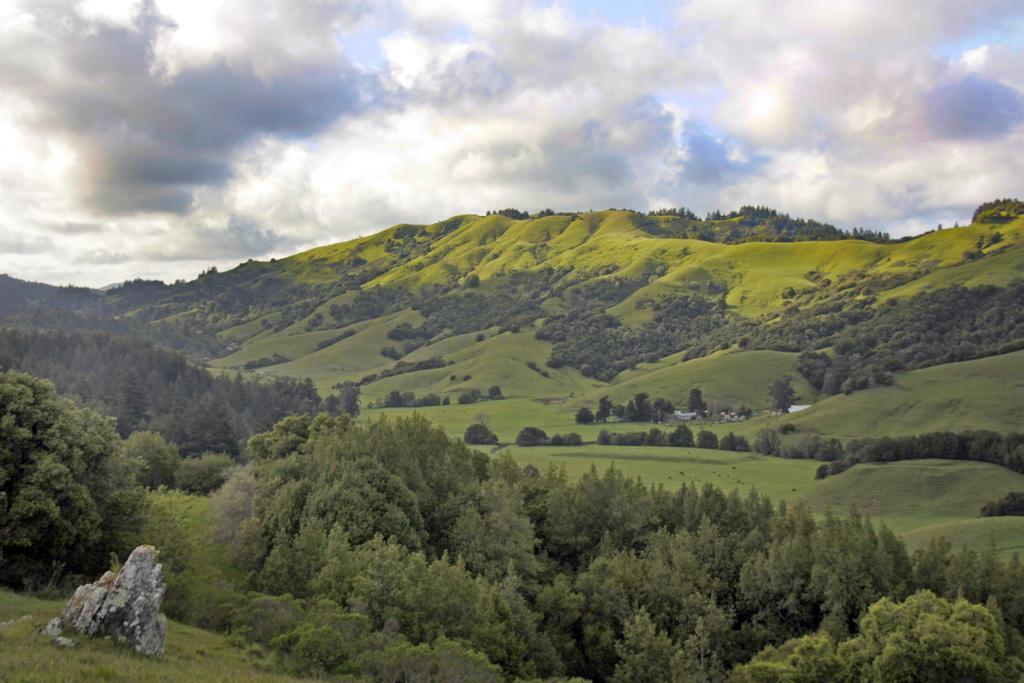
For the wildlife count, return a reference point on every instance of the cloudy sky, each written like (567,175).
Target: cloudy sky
(154,138)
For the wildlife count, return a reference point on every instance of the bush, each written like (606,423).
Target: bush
(154,459)
(479,434)
(531,436)
(471,396)
(584,416)
(204,474)
(1010,504)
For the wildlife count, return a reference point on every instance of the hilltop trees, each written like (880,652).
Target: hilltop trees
(67,494)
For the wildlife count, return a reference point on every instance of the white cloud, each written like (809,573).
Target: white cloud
(156,139)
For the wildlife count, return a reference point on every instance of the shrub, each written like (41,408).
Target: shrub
(204,474)
(479,434)
(531,436)
(154,459)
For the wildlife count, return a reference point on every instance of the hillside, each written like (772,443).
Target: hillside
(192,654)
(595,328)
(566,308)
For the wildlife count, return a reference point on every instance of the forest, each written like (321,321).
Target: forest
(385,546)
(145,387)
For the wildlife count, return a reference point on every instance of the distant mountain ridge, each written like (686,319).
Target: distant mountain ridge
(586,296)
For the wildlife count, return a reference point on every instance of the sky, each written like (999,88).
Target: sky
(157,138)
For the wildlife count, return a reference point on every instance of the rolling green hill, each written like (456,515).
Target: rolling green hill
(478,289)
(560,310)
(987,393)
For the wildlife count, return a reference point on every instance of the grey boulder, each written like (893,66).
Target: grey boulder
(125,605)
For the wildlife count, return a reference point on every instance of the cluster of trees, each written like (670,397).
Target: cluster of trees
(599,345)
(978,446)
(387,549)
(479,434)
(157,463)
(408,399)
(923,638)
(754,224)
(998,211)
(402,367)
(640,408)
(535,436)
(942,326)
(680,437)
(275,359)
(474,395)
(148,388)
(388,542)
(1012,504)
(67,495)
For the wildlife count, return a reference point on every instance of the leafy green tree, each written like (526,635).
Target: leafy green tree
(496,537)
(348,396)
(809,659)
(442,660)
(204,474)
(206,427)
(695,402)
(681,437)
(924,638)
(67,496)
(768,442)
(782,393)
(584,416)
(604,409)
(479,434)
(154,459)
(707,439)
(494,393)
(928,638)
(645,655)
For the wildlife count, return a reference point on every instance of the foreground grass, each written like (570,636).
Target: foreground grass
(192,654)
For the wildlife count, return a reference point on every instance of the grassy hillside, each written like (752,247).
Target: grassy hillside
(729,378)
(192,654)
(987,393)
(915,494)
(617,248)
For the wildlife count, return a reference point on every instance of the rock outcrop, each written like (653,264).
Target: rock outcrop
(125,605)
